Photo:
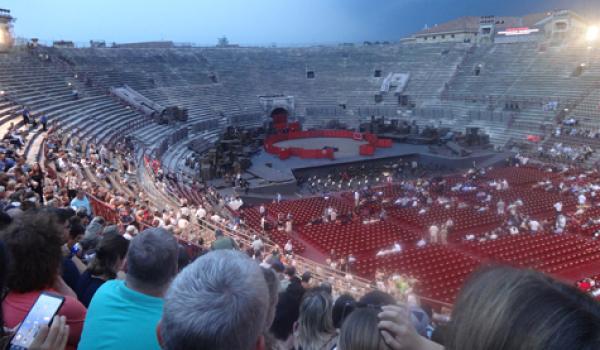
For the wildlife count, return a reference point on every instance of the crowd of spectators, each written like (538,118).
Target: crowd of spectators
(225,300)
(130,283)
(564,153)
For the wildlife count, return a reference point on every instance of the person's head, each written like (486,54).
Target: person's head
(501,308)
(360,331)
(377,298)
(343,306)
(290,271)
(315,323)
(110,253)
(152,261)
(219,302)
(76,232)
(80,194)
(33,241)
(36,168)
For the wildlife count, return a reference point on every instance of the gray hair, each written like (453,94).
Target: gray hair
(218,302)
(315,323)
(152,259)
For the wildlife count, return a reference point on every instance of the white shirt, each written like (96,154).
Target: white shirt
(581,199)
(257,244)
(182,223)
(184,211)
(288,247)
(200,213)
(558,206)
(433,230)
(534,225)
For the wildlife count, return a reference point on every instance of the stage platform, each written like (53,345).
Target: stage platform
(282,170)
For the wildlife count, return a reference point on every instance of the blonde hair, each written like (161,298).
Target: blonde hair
(315,322)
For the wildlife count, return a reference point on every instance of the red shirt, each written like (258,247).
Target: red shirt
(16,305)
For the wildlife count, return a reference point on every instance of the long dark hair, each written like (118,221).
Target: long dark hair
(111,248)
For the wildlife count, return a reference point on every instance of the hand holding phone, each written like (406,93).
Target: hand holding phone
(38,318)
(53,338)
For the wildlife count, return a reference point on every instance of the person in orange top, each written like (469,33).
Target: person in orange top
(34,243)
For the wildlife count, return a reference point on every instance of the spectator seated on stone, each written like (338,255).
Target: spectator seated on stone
(126,313)
(107,261)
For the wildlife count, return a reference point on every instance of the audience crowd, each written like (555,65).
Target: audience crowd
(129,281)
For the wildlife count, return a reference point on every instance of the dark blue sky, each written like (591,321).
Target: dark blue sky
(253,22)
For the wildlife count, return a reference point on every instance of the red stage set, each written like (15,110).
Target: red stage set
(292,131)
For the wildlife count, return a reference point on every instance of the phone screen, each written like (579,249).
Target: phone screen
(42,312)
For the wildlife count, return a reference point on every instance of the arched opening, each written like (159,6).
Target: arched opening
(279,115)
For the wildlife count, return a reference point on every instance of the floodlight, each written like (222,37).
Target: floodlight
(593,33)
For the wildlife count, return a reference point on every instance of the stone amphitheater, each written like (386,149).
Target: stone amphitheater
(222,86)
(503,89)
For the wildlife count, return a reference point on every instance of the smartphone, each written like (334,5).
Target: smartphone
(41,313)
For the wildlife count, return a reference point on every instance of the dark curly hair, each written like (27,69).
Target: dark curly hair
(33,242)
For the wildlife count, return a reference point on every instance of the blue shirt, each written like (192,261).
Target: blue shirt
(121,318)
(76,203)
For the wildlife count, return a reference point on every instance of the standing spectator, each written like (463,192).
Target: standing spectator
(223,242)
(36,180)
(433,233)
(44,122)
(257,244)
(126,313)
(107,261)
(81,200)
(34,243)
(26,116)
